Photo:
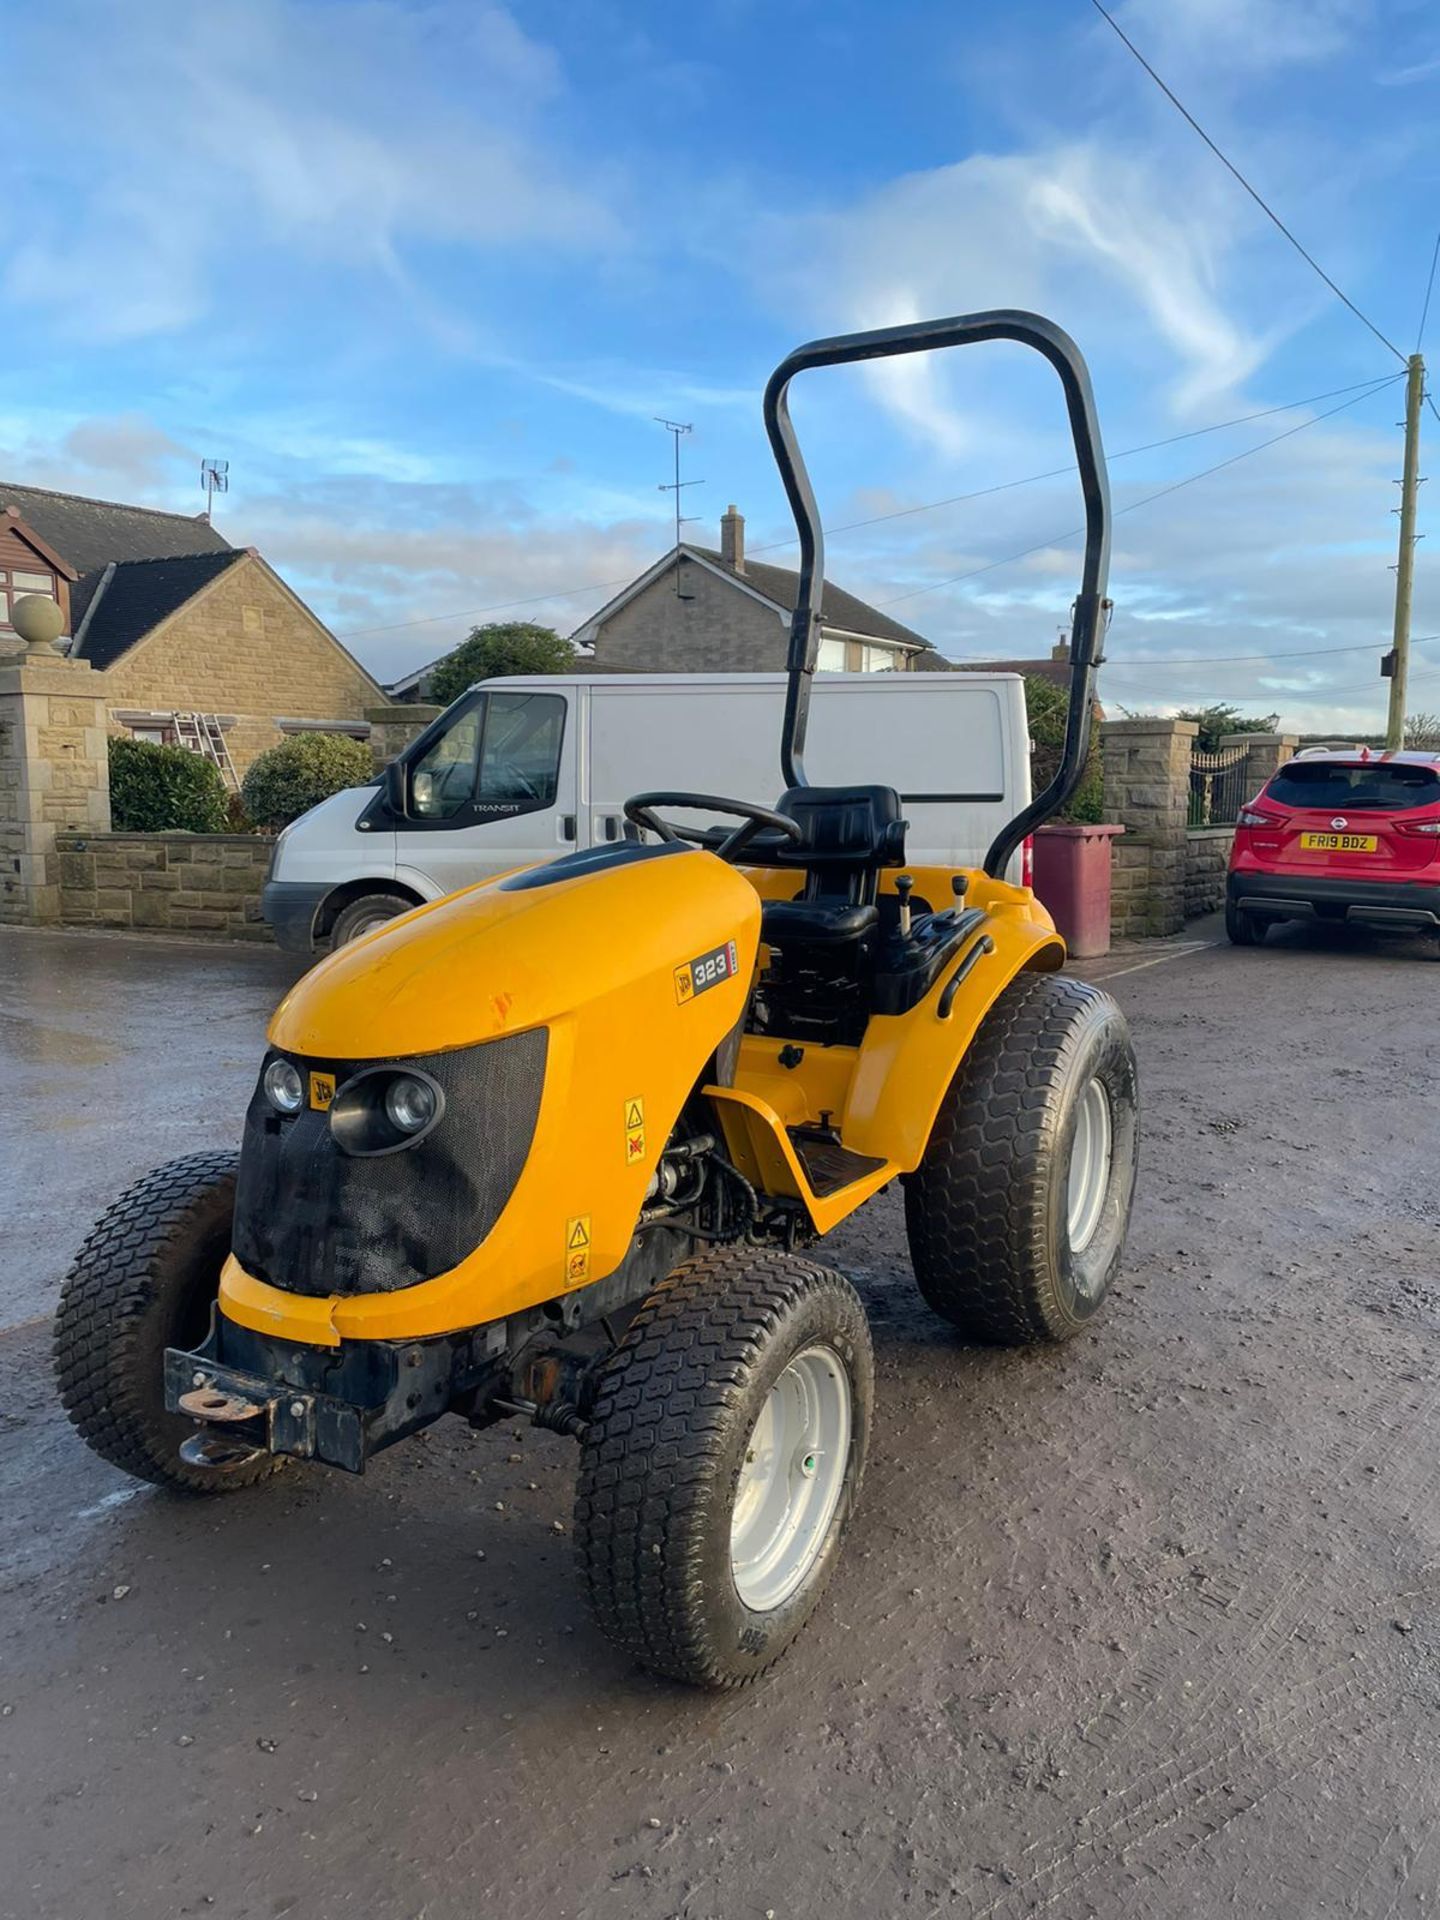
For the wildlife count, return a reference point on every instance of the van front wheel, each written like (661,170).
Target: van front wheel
(364,915)
(1017,1214)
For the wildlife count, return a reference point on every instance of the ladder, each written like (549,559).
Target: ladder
(202,733)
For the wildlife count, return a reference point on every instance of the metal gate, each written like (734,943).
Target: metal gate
(1217,786)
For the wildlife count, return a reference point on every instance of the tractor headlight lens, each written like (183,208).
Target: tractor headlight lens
(382,1109)
(410,1103)
(283,1087)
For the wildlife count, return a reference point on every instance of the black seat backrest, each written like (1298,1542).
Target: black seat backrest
(850,834)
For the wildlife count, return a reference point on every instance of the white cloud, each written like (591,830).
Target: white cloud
(201,142)
(1083,231)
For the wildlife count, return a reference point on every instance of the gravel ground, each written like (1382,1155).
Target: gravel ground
(1140,1627)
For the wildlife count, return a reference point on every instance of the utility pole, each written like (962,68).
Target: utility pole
(677,430)
(1399,660)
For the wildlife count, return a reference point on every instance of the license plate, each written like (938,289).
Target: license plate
(1339,842)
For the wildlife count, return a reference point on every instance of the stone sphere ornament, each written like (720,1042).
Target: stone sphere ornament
(38,621)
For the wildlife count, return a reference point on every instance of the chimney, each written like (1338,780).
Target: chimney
(1061,649)
(732,539)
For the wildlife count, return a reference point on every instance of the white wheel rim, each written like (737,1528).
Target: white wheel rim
(1091,1149)
(791,1479)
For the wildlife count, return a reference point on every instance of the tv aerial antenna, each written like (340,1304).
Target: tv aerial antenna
(214,478)
(678,429)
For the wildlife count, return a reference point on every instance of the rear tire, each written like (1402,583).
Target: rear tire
(146,1279)
(1017,1214)
(1244,929)
(722,1461)
(364,915)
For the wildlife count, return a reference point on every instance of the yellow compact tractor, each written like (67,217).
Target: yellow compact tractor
(561,1147)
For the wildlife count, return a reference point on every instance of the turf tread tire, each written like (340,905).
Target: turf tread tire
(981,1209)
(674,1408)
(118,1301)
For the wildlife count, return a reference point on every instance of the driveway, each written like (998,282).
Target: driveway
(1140,1627)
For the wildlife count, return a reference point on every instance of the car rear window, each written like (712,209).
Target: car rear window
(1329,785)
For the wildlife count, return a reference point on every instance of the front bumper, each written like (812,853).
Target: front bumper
(289,908)
(334,1404)
(1396,904)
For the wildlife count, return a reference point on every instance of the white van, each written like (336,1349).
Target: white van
(520,770)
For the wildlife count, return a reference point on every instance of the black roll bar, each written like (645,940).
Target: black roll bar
(1087,628)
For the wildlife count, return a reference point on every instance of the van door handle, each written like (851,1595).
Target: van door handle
(567,826)
(612,826)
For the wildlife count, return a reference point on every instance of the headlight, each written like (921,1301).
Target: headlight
(284,1088)
(410,1102)
(382,1109)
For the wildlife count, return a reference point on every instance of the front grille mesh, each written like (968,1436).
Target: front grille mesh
(311,1219)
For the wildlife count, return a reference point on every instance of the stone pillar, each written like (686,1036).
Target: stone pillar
(1264,753)
(393,728)
(54,776)
(1147,790)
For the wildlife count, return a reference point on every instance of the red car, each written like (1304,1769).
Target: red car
(1339,835)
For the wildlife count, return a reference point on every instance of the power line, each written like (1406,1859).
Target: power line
(900,513)
(1125,453)
(1429,289)
(1134,505)
(1234,659)
(1268,211)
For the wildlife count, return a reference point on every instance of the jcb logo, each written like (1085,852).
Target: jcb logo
(322,1091)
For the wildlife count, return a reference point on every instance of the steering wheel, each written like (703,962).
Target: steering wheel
(640,811)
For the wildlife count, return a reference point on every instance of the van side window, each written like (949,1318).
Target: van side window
(520,755)
(442,781)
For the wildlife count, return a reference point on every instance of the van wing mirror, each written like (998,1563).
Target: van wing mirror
(395,783)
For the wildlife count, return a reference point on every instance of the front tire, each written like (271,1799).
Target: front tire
(147,1279)
(1017,1214)
(363,915)
(722,1461)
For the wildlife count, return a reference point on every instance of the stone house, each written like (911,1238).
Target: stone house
(201,642)
(703,610)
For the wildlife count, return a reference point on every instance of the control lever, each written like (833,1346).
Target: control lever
(903,883)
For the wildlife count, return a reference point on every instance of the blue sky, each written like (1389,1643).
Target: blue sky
(425,273)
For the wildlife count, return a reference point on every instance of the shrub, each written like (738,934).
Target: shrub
(288,780)
(505,646)
(1047,706)
(164,789)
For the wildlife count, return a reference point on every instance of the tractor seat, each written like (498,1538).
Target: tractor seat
(850,833)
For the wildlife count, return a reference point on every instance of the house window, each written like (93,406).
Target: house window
(15,583)
(831,657)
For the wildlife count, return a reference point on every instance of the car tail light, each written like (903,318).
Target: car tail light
(1426,827)
(1249,817)
(1027,860)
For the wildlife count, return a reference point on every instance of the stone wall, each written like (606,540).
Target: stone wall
(245,647)
(1147,787)
(393,728)
(189,883)
(53,775)
(1207,855)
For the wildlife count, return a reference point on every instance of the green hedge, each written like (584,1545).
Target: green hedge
(289,779)
(164,789)
(1047,706)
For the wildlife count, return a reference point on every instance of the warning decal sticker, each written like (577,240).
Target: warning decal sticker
(705,971)
(577,1250)
(634,1131)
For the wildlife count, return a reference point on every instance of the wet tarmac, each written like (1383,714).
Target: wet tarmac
(1142,1628)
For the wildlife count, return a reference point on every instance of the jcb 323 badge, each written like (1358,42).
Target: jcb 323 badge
(705,971)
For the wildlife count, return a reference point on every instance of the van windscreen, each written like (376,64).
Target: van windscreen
(1330,785)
